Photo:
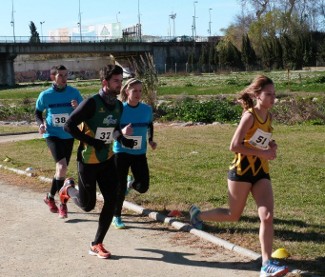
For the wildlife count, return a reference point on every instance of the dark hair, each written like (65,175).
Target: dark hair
(255,88)
(54,69)
(106,72)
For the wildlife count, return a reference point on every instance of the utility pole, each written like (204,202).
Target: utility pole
(209,31)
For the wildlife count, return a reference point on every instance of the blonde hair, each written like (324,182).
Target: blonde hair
(129,83)
(247,96)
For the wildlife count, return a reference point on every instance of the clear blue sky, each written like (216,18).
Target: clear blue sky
(154,15)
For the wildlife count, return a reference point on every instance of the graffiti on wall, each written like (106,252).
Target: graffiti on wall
(44,75)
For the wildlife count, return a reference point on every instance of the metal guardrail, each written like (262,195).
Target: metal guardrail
(101,39)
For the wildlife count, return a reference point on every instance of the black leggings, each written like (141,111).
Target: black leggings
(140,172)
(104,174)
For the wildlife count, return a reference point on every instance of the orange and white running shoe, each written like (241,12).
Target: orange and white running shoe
(64,196)
(99,251)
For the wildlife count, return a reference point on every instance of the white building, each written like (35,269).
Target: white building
(99,32)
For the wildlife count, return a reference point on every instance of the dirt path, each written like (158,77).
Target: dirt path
(34,242)
(12,138)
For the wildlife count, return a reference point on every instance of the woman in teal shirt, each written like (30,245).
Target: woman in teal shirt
(136,123)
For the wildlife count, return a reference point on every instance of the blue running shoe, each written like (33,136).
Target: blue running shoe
(130,181)
(273,268)
(195,222)
(118,223)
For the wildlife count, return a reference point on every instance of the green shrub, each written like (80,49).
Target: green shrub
(189,109)
(23,111)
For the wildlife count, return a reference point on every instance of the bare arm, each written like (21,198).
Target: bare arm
(238,146)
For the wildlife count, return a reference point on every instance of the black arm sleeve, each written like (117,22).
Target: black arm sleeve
(117,130)
(39,117)
(84,111)
(150,132)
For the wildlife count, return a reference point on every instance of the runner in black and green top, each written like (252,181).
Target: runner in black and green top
(95,123)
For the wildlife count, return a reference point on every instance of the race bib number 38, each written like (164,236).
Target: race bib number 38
(105,134)
(260,139)
(58,120)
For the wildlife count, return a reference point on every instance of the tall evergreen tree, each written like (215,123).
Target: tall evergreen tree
(288,48)
(229,56)
(267,54)
(248,55)
(211,61)
(278,53)
(34,38)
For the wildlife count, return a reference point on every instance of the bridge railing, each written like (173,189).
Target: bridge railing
(101,39)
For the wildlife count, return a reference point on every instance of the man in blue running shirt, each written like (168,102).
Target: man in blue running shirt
(57,102)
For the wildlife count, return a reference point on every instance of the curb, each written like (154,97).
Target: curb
(18,133)
(188,228)
(168,220)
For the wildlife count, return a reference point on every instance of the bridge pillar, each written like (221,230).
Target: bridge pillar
(7,73)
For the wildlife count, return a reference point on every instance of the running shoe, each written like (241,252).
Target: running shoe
(118,223)
(99,251)
(64,196)
(50,202)
(63,211)
(273,268)
(195,222)
(129,187)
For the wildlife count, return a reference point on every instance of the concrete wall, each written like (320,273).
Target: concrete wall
(27,70)
(171,59)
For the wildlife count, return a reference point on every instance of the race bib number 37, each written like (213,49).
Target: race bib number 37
(260,139)
(105,134)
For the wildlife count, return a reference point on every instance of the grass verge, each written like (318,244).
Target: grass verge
(190,166)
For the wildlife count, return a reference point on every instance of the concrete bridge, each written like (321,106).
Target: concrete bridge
(163,52)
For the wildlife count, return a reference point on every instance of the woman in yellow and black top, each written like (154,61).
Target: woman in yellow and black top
(249,172)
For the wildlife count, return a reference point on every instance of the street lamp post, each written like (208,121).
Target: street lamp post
(117,17)
(139,20)
(42,22)
(12,22)
(210,21)
(79,23)
(169,27)
(194,20)
(173,16)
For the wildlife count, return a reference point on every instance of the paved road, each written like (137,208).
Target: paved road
(34,242)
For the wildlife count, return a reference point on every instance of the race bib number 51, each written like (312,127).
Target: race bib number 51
(260,139)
